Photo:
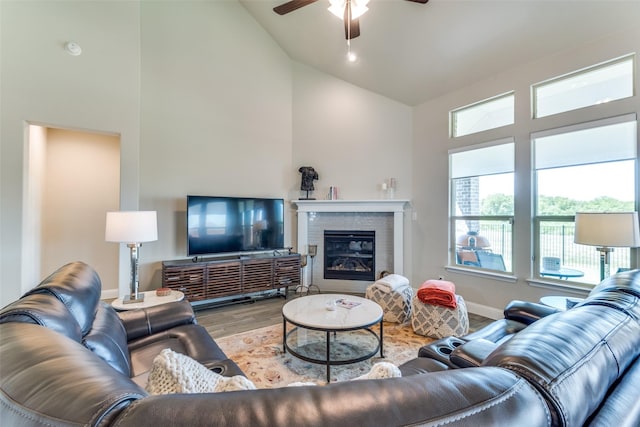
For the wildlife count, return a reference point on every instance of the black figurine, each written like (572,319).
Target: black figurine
(309,175)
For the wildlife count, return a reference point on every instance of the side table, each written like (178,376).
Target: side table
(150,300)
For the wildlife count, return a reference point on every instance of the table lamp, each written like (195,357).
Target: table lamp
(132,228)
(607,230)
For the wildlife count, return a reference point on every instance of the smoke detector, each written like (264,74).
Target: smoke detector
(73,48)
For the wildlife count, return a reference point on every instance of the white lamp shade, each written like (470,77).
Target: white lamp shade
(611,229)
(131,227)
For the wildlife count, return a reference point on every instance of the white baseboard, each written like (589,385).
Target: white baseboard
(484,310)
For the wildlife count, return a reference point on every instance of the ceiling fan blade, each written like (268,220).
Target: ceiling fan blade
(419,1)
(292,5)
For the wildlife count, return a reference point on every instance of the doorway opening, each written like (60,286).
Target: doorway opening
(72,179)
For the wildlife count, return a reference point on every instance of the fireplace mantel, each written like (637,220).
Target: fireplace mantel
(385,205)
(392,206)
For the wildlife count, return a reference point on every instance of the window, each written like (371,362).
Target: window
(481,210)
(488,114)
(595,85)
(582,168)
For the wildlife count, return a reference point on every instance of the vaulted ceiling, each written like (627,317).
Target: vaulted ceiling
(414,52)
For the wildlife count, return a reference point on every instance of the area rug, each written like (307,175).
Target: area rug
(260,355)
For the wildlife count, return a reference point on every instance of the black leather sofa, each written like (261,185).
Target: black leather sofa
(68,359)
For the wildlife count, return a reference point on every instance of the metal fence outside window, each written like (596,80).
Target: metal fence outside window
(556,240)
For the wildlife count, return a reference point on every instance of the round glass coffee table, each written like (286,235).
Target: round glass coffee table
(332,329)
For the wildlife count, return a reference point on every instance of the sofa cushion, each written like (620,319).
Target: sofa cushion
(44,310)
(627,282)
(579,354)
(147,321)
(48,379)
(78,287)
(192,340)
(621,408)
(177,373)
(108,339)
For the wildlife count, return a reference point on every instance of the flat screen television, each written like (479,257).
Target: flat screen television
(233,224)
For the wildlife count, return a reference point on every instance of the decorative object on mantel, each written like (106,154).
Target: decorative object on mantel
(309,175)
(391,188)
(333,193)
(388,188)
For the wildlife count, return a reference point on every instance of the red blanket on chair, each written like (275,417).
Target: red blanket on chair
(438,292)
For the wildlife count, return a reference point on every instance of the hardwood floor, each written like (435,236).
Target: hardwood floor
(242,317)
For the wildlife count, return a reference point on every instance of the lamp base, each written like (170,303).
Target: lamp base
(130,299)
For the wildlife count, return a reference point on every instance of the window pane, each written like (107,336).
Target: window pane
(482,206)
(488,195)
(484,243)
(600,187)
(584,88)
(579,263)
(595,172)
(488,114)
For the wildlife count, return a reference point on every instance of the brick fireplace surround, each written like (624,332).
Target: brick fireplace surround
(386,217)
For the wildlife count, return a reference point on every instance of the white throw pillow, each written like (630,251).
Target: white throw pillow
(173,372)
(381,370)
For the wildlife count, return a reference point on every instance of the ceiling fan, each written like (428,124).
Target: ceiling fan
(350,10)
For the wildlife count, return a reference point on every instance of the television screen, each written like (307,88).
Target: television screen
(233,224)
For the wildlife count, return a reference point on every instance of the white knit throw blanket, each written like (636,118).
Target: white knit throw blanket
(177,373)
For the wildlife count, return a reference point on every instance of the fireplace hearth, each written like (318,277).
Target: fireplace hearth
(349,254)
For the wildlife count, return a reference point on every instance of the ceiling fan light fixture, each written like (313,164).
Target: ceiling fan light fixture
(358,8)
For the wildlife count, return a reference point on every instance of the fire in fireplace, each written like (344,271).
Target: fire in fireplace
(349,254)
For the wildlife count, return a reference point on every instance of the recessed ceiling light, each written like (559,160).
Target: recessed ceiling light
(352,57)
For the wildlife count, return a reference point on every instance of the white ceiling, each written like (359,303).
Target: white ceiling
(414,52)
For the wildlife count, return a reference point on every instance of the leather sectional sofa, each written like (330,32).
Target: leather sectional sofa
(68,359)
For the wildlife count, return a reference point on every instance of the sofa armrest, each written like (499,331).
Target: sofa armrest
(472,353)
(497,332)
(148,321)
(527,312)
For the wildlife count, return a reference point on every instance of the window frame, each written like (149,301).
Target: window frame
(538,220)
(453,218)
(534,87)
(453,120)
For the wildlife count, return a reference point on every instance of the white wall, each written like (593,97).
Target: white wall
(42,84)
(354,138)
(431,145)
(216,116)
